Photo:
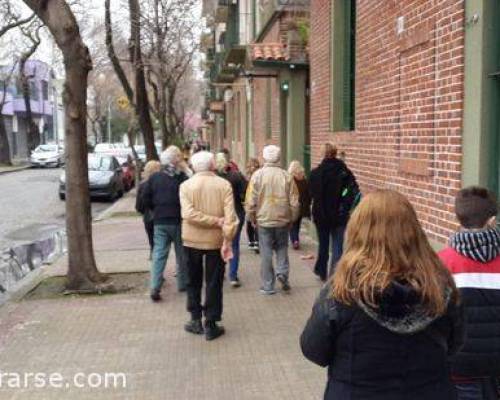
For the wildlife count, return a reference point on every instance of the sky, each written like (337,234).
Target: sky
(91,13)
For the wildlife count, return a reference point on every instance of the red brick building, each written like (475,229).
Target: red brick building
(387,86)
(408,89)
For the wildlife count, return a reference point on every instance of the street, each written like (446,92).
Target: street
(30,206)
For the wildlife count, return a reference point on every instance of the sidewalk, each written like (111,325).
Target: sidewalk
(13,168)
(258,359)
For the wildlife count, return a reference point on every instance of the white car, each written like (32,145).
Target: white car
(47,155)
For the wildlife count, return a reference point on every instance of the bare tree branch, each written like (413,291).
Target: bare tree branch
(11,18)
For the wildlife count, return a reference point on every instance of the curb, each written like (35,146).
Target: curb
(110,211)
(13,169)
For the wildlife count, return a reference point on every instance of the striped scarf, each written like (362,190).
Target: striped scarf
(482,246)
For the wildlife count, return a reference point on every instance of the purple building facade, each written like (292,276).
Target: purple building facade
(43,97)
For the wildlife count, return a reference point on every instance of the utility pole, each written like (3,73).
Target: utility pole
(109,120)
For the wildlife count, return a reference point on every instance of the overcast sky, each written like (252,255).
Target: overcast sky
(89,14)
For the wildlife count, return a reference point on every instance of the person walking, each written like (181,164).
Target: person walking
(239,186)
(209,224)
(272,206)
(299,176)
(327,182)
(161,194)
(150,168)
(473,257)
(232,164)
(252,233)
(387,321)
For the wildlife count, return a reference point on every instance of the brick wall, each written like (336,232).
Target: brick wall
(409,100)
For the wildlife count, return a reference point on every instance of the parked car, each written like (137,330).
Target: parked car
(104,148)
(105,178)
(128,168)
(141,152)
(47,155)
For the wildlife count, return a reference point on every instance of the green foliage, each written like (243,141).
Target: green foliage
(304,30)
(119,127)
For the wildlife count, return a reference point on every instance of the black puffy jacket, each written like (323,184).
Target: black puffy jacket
(239,186)
(161,195)
(391,353)
(326,184)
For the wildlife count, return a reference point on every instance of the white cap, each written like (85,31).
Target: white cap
(271,153)
(203,161)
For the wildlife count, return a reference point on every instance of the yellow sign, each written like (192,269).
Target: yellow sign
(123,103)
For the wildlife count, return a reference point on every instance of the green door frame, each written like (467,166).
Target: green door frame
(481,127)
(293,115)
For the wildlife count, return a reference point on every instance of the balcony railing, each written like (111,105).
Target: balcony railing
(268,9)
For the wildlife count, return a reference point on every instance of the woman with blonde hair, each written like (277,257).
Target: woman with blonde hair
(299,176)
(150,168)
(389,317)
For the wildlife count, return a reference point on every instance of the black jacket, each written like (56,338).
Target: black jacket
(239,185)
(391,353)
(325,185)
(304,197)
(140,207)
(161,194)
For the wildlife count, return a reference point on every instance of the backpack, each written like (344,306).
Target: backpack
(350,195)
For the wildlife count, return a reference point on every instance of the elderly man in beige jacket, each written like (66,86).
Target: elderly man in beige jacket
(272,204)
(209,223)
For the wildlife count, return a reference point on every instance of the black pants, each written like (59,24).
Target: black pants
(149,226)
(214,278)
(253,236)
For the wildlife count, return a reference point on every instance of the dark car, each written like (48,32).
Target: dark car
(105,178)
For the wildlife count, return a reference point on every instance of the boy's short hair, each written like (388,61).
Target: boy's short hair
(474,206)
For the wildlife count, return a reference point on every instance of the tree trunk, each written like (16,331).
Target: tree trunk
(165,132)
(57,16)
(33,134)
(170,111)
(4,143)
(141,95)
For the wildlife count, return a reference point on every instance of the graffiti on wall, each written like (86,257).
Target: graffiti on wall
(17,262)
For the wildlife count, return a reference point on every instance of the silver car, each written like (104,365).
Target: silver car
(47,155)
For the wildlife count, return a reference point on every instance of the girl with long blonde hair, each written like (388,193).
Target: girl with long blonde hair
(299,176)
(389,317)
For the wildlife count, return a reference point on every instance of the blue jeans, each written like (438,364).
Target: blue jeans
(483,389)
(295,230)
(329,237)
(235,261)
(164,236)
(273,239)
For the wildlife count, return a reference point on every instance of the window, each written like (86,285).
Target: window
(45,90)
(268,127)
(34,94)
(33,90)
(343,65)
(14,143)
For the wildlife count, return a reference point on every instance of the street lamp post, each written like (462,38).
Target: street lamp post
(102,81)
(109,120)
